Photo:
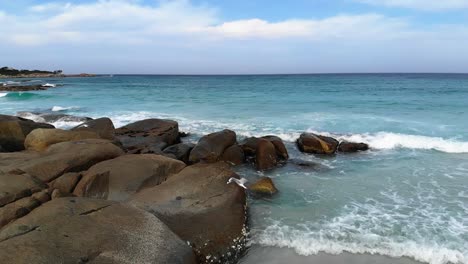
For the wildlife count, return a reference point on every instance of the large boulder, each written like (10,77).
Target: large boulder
(263,187)
(201,208)
(16,186)
(60,158)
(17,209)
(66,183)
(233,155)
(102,126)
(265,158)
(180,151)
(149,135)
(281,150)
(83,230)
(40,139)
(13,131)
(317,144)
(119,178)
(210,148)
(349,147)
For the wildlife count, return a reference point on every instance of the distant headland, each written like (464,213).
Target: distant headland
(8,72)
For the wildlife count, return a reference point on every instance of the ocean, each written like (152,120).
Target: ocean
(404,201)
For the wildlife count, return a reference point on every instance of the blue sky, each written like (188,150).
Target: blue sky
(223,37)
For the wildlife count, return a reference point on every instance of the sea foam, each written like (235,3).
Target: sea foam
(62,108)
(3,94)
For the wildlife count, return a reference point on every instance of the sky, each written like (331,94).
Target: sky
(235,37)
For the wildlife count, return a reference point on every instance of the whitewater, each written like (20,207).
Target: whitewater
(405,198)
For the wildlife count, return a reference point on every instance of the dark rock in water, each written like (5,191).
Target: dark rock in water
(13,131)
(264,186)
(180,151)
(183,134)
(60,158)
(352,147)
(316,144)
(52,117)
(265,155)
(81,230)
(233,155)
(40,139)
(201,208)
(22,88)
(149,136)
(249,145)
(281,150)
(117,179)
(210,148)
(102,126)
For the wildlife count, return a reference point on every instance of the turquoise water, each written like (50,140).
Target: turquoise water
(408,196)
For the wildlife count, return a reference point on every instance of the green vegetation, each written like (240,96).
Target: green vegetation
(7,71)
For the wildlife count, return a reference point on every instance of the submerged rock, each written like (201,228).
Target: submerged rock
(40,139)
(264,186)
(211,147)
(13,131)
(201,208)
(82,230)
(149,135)
(352,147)
(316,144)
(117,179)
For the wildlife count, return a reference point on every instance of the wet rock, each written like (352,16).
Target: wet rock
(60,158)
(47,117)
(349,147)
(117,179)
(180,151)
(249,145)
(22,88)
(316,144)
(211,147)
(265,155)
(102,126)
(13,131)
(66,183)
(201,208)
(149,136)
(40,139)
(80,230)
(281,150)
(233,155)
(264,187)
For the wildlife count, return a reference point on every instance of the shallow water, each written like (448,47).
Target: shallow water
(408,196)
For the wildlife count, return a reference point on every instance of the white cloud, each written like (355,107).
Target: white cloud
(50,7)
(421,4)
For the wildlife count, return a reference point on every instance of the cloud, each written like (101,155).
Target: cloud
(428,5)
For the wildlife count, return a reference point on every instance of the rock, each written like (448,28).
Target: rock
(40,139)
(316,144)
(60,158)
(352,147)
(13,131)
(102,126)
(249,145)
(201,208)
(150,135)
(82,230)
(42,196)
(210,148)
(17,209)
(180,151)
(233,155)
(47,117)
(119,178)
(265,155)
(66,183)
(56,193)
(281,150)
(264,186)
(17,186)
(22,88)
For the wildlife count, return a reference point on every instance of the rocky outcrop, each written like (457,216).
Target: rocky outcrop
(350,147)
(47,117)
(66,183)
(266,152)
(16,186)
(60,158)
(233,155)
(17,209)
(179,151)
(201,208)
(22,88)
(263,187)
(83,230)
(211,147)
(148,136)
(40,139)
(13,131)
(104,127)
(316,144)
(117,179)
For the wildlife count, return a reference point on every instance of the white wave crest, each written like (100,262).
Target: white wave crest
(61,108)
(3,94)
